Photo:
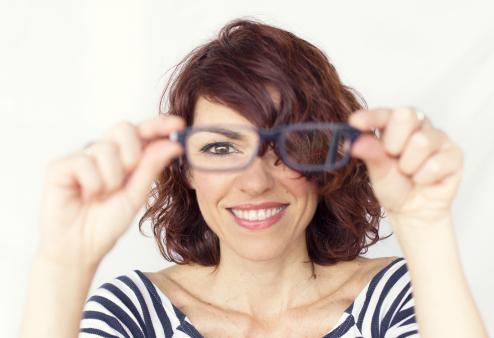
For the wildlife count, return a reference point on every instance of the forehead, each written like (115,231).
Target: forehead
(208,112)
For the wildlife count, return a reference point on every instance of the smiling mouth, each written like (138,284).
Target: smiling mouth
(256,215)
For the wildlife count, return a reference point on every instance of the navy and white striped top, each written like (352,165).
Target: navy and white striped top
(132,306)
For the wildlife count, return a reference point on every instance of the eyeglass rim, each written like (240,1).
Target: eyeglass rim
(275,134)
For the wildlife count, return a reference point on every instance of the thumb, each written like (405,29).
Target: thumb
(156,156)
(369,149)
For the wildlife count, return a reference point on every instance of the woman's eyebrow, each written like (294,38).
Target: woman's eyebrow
(226,132)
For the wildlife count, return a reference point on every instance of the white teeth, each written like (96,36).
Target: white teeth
(256,215)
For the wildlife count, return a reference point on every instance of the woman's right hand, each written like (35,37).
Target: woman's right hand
(91,197)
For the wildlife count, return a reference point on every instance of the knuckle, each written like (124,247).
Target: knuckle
(108,147)
(89,148)
(123,124)
(85,160)
(94,185)
(125,127)
(404,166)
(392,149)
(440,136)
(102,148)
(403,114)
(114,181)
(420,140)
(92,180)
(120,127)
(441,133)
(434,166)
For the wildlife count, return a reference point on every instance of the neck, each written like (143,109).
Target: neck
(265,288)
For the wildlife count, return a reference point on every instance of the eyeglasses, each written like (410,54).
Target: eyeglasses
(306,147)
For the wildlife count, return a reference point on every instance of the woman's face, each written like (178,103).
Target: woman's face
(219,192)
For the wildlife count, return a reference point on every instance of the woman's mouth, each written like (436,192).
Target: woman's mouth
(257,219)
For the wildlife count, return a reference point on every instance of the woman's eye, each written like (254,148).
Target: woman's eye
(218,148)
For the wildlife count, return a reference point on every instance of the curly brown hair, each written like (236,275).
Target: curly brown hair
(235,69)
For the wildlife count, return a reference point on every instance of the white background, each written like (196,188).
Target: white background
(69,70)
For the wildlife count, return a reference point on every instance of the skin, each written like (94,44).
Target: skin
(414,168)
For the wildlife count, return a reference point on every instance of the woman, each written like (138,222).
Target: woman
(265,219)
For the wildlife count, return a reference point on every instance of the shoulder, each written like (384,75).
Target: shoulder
(383,268)
(384,276)
(360,271)
(390,273)
(386,304)
(127,305)
(183,284)
(380,262)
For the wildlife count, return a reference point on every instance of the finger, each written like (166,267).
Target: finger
(420,146)
(402,122)
(445,162)
(371,151)
(156,157)
(74,175)
(370,119)
(107,156)
(126,136)
(160,126)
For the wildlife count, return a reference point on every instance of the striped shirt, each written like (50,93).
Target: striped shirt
(132,306)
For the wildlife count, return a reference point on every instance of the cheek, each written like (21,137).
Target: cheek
(300,186)
(297,184)
(305,192)
(210,190)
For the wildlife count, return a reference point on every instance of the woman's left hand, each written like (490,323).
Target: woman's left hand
(415,169)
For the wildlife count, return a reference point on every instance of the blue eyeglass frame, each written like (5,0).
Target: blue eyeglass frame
(275,135)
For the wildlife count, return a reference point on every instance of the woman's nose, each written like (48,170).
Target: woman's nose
(257,178)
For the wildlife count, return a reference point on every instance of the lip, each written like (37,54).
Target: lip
(258,225)
(264,205)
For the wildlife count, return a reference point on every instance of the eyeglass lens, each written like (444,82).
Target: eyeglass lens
(315,147)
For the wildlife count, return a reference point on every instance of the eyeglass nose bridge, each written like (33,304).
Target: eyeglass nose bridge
(266,137)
